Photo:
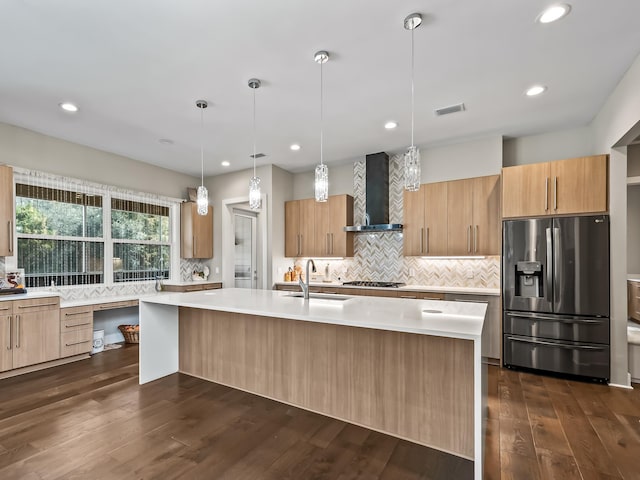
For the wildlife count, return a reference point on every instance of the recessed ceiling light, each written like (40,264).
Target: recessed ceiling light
(554,12)
(390,125)
(295,147)
(166,141)
(535,90)
(68,107)
(225,163)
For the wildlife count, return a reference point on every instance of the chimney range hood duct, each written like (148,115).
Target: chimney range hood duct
(377,197)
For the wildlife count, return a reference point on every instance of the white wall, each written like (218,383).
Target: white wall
(282,192)
(475,158)
(577,142)
(28,149)
(619,114)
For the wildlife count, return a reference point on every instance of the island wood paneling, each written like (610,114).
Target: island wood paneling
(413,386)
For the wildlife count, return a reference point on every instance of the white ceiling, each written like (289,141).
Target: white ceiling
(136,68)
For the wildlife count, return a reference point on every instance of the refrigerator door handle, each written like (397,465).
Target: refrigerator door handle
(558,270)
(536,316)
(554,344)
(549,282)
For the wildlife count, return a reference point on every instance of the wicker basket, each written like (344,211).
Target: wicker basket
(130,335)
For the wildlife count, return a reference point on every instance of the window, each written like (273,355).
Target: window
(59,236)
(140,233)
(76,238)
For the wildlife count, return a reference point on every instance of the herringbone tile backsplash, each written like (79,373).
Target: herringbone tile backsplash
(378,256)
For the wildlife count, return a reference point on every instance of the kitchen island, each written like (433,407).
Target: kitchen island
(409,368)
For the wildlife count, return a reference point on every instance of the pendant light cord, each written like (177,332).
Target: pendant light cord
(321,115)
(254,132)
(201,146)
(412,88)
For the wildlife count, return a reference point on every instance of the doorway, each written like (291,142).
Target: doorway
(245,249)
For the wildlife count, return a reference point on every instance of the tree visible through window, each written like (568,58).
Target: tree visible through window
(61,237)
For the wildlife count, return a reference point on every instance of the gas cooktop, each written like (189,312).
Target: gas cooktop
(366,283)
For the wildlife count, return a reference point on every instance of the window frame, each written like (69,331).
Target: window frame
(107,192)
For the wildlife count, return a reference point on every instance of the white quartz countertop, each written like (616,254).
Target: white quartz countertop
(427,317)
(27,296)
(413,288)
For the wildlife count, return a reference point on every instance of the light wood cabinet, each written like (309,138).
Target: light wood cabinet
(425,220)
(192,287)
(572,186)
(6,211)
(491,331)
(76,330)
(196,232)
(460,217)
(6,336)
(633,295)
(316,229)
(35,331)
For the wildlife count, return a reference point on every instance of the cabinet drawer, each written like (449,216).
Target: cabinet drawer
(75,320)
(36,305)
(76,342)
(422,295)
(110,305)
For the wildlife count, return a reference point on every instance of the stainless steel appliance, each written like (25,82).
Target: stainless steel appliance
(555,289)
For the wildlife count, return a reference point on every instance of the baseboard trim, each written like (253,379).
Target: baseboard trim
(42,366)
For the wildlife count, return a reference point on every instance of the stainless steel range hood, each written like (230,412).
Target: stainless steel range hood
(377,197)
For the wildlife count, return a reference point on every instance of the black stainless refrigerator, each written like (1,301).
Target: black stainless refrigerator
(555,290)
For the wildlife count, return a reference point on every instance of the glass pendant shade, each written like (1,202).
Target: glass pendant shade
(412,169)
(321,184)
(255,196)
(202,200)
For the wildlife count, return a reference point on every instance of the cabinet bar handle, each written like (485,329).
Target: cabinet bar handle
(76,313)
(408,296)
(555,193)
(77,325)
(332,244)
(10,236)
(546,194)
(427,242)
(300,244)
(9,337)
(475,239)
(4,309)
(76,343)
(431,298)
(469,239)
(422,240)
(38,305)
(195,246)
(470,301)
(17,331)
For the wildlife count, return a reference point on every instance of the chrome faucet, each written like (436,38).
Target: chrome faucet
(305,286)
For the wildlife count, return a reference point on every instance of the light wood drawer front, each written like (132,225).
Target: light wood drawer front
(6,308)
(76,342)
(36,305)
(110,305)
(76,322)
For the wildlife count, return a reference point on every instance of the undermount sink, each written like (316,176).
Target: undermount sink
(320,296)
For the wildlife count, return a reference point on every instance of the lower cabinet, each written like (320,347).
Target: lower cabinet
(76,330)
(491,335)
(30,332)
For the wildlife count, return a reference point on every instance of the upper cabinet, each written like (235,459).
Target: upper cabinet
(196,232)
(425,220)
(460,217)
(316,229)
(6,211)
(573,186)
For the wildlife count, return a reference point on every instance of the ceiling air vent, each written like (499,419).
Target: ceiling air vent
(450,109)
(258,155)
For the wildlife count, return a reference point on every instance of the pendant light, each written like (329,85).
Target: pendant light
(202,201)
(412,155)
(255,196)
(321,182)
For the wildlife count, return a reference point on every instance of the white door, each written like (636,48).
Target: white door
(245,250)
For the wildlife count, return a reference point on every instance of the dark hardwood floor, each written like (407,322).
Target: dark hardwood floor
(91,420)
